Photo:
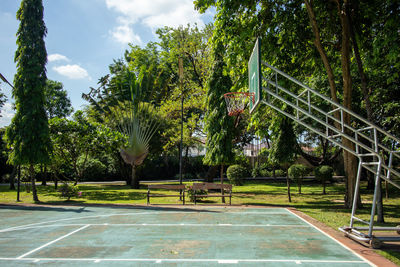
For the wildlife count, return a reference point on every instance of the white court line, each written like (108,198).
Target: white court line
(67,219)
(126,214)
(49,243)
(359,256)
(163,224)
(185,260)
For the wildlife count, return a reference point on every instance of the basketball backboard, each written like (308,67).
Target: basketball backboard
(255,75)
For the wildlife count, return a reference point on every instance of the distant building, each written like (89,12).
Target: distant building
(196,151)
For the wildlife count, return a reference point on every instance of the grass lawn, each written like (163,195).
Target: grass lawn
(327,208)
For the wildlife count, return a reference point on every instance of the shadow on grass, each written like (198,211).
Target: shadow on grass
(113,195)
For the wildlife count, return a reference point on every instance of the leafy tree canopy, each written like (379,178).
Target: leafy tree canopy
(57,103)
(28,134)
(219,125)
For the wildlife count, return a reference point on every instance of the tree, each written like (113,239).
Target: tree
(6,168)
(329,41)
(161,61)
(57,103)
(122,103)
(2,100)
(156,66)
(324,173)
(219,126)
(73,140)
(283,149)
(297,171)
(28,134)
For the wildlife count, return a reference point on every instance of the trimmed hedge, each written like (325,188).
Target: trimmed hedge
(324,173)
(236,174)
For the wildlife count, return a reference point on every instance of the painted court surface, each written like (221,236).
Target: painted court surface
(141,236)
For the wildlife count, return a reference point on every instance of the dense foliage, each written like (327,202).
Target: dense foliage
(297,172)
(236,174)
(57,103)
(2,100)
(348,50)
(28,135)
(324,174)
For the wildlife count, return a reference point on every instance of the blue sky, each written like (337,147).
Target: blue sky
(84,36)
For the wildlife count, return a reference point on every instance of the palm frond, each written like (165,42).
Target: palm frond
(138,124)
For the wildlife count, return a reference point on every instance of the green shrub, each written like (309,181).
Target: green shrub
(92,170)
(67,191)
(297,172)
(323,174)
(255,172)
(191,193)
(235,174)
(280,173)
(265,173)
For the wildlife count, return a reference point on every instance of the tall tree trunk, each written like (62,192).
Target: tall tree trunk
(33,182)
(44,175)
(366,95)
(55,181)
(222,182)
(323,55)
(350,161)
(288,185)
(211,173)
(12,177)
(134,179)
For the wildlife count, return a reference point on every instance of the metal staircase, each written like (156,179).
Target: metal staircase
(374,147)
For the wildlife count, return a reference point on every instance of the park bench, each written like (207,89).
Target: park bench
(169,187)
(226,190)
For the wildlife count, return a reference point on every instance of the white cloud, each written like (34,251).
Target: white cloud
(57,57)
(7,113)
(124,34)
(72,71)
(153,14)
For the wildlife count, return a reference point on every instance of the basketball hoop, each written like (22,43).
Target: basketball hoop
(236,102)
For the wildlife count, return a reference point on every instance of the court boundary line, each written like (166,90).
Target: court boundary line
(331,237)
(52,242)
(157,260)
(23,257)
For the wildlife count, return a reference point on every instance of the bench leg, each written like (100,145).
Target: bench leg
(230,199)
(195,200)
(148,198)
(183,197)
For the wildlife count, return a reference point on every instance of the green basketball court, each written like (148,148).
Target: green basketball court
(141,236)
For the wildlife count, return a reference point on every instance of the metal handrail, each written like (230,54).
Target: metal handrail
(358,132)
(333,102)
(371,157)
(373,151)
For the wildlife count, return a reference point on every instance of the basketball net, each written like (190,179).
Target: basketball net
(236,102)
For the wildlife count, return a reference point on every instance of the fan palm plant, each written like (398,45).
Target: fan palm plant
(134,117)
(136,121)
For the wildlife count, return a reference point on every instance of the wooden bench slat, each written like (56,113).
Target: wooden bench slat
(207,186)
(175,187)
(226,188)
(159,195)
(225,195)
(166,186)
